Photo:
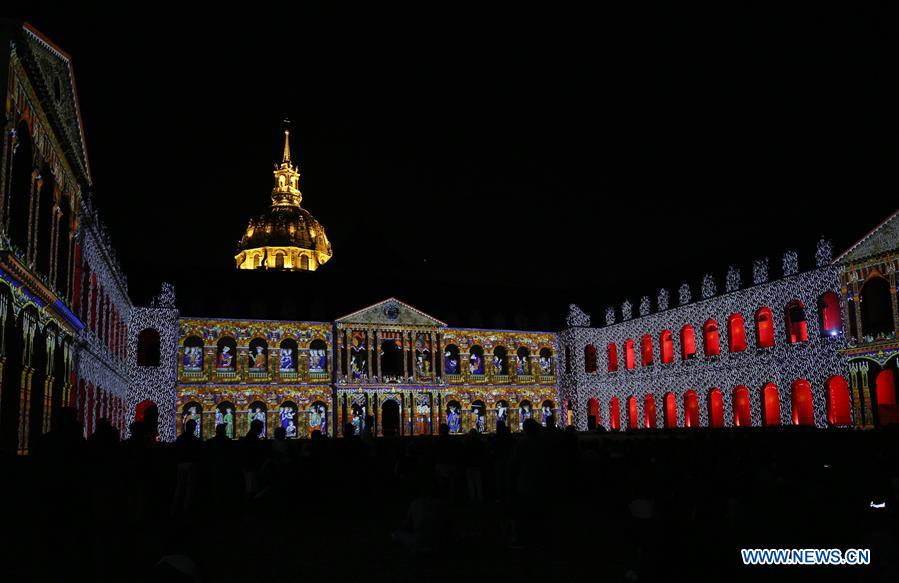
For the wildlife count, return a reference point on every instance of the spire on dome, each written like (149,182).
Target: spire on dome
(286,159)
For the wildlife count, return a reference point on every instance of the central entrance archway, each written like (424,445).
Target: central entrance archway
(390,418)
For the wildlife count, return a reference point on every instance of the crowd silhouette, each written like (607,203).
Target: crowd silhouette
(546,503)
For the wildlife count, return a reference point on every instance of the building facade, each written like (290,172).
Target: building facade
(389,366)
(776,352)
(871,311)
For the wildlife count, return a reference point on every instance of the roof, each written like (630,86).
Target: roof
(882,239)
(391,311)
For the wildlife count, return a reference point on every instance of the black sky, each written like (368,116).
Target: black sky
(489,166)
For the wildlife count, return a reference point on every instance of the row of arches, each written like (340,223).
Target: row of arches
(501,363)
(685,412)
(257,360)
(795,326)
(225,417)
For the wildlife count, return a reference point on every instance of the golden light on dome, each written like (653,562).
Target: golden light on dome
(286,237)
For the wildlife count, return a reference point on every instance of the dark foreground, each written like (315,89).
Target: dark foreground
(551,505)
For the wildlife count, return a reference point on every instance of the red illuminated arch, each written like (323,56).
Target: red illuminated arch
(630,358)
(839,407)
(666,345)
(670,410)
(691,409)
(794,317)
(764,328)
(589,358)
(687,342)
(830,314)
(614,414)
(742,412)
(710,342)
(649,412)
(631,412)
(770,406)
(593,416)
(886,388)
(613,357)
(716,408)
(801,403)
(646,350)
(736,333)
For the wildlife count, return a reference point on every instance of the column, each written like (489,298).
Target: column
(368,335)
(349,345)
(405,348)
(895,302)
(377,353)
(512,364)
(432,340)
(338,344)
(464,364)
(858,312)
(535,366)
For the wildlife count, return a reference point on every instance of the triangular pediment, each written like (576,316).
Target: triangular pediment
(391,312)
(50,74)
(881,240)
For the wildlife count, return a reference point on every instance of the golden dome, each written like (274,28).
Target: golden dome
(285,237)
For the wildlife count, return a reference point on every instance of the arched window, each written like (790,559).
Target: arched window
(646,350)
(192,411)
(877,308)
(593,418)
(589,358)
(666,347)
(318,357)
(631,412)
(764,328)
(500,361)
(670,410)
(192,354)
(801,403)
(614,414)
(279,260)
(839,407)
(886,388)
(649,412)
(226,355)
(691,409)
(736,333)
(19,200)
(148,347)
(770,406)
(742,414)
(797,328)
(476,360)
(613,357)
(257,414)
(451,360)
(224,415)
(523,357)
(711,345)
(630,358)
(829,314)
(547,366)
(288,352)
(716,408)
(304,262)
(257,355)
(687,342)
(44,221)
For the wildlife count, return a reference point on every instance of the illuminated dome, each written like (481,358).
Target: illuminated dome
(286,236)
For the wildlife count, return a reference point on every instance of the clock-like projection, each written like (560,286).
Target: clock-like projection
(392,312)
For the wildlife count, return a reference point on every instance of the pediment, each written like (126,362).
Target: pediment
(391,312)
(883,239)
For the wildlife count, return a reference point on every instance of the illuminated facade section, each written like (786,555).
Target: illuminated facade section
(286,237)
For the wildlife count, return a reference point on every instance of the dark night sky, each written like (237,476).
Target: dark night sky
(488,167)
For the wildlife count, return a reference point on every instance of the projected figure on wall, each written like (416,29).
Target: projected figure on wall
(291,430)
(191,415)
(228,420)
(193,359)
(476,364)
(257,360)
(524,415)
(523,367)
(258,415)
(287,414)
(546,413)
(317,360)
(422,418)
(480,418)
(323,415)
(502,412)
(358,358)
(225,359)
(454,419)
(286,359)
(545,365)
(498,365)
(452,363)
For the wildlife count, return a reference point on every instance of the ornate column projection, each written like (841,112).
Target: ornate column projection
(377,352)
(432,337)
(54,236)
(7,147)
(368,336)
(49,377)
(349,350)
(489,372)
(413,355)
(405,347)
(858,307)
(535,365)
(512,365)
(37,182)
(338,355)
(29,328)
(893,299)
(464,364)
